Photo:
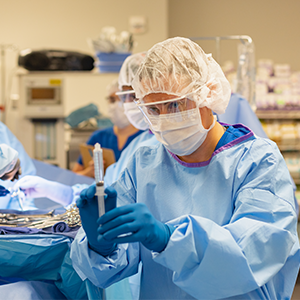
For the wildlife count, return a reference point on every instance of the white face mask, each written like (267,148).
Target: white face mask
(135,116)
(117,115)
(184,137)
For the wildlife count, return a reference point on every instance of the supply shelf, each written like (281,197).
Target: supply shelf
(285,131)
(278,114)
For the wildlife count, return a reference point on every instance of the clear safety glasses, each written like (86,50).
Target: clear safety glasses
(172,112)
(169,106)
(126,96)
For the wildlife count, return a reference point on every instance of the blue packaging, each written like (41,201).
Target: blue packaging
(111,62)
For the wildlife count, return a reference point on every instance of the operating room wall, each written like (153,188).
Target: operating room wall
(272,24)
(66,25)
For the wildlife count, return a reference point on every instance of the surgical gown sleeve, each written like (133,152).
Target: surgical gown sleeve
(122,263)
(217,261)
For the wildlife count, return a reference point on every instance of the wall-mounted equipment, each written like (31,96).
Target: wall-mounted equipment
(55,60)
(43,97)
(42,109)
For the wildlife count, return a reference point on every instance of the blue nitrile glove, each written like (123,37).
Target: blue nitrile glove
(137,222)
(89,214)
(3,191)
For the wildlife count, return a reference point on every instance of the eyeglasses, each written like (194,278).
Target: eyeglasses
(126,96)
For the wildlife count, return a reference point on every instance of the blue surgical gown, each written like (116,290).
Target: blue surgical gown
(27,167)
(240,111)
(113,172)
(235,225)
(107,139)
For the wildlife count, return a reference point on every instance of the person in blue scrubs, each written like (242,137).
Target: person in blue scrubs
(134,115)
(209,211)
(116,138)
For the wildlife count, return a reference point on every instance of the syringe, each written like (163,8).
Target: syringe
(98,164)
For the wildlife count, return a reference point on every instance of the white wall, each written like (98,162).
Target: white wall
(66,24)
(272,24)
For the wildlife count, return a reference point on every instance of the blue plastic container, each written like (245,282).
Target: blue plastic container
(111,62)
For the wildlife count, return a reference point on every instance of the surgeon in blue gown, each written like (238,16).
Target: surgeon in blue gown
(209,211)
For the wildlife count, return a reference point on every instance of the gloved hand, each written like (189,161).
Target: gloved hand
(88,210)
(3,191)
(137,222)
(36,187)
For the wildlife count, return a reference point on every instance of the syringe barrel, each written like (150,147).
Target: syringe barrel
(98,163)
(100,195)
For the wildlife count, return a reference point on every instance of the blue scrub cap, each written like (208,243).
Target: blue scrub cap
(8,159)
(178,66)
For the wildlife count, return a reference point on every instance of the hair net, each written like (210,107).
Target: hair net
(178,66)
(8,159)
(129,68)
(112,88)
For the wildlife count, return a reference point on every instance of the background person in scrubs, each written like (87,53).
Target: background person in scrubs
(134,115)
(209,211)
(116,138)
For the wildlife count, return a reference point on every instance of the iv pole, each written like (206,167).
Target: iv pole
(241,38)
(242,60)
